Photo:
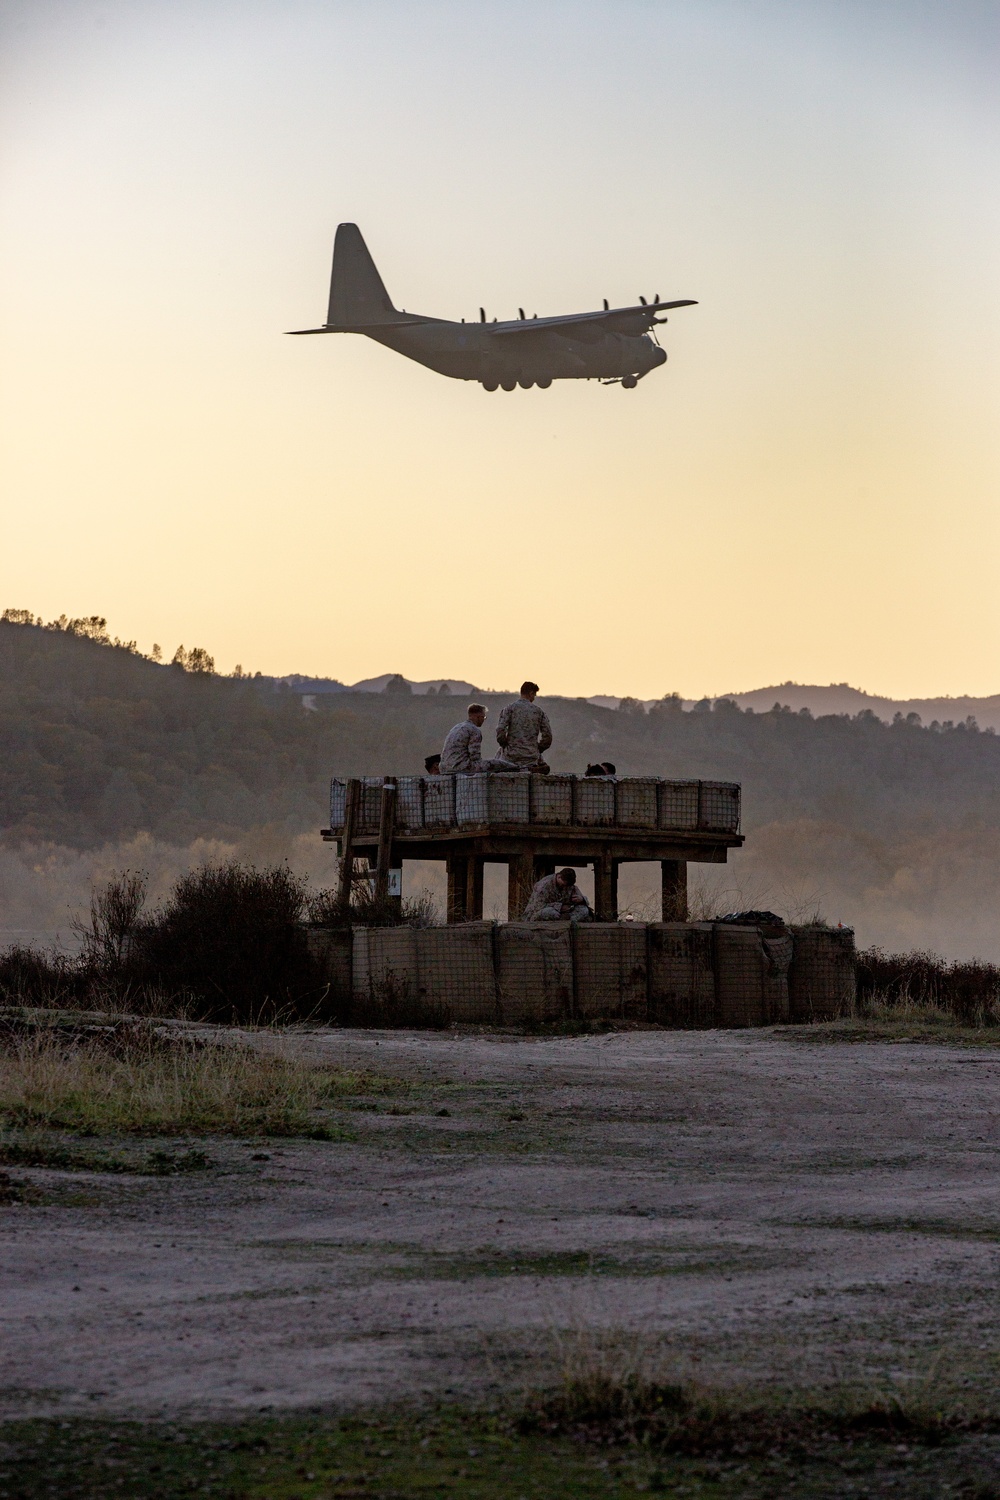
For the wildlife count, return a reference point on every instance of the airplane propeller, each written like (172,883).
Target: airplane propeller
(642,299)
(482,315)
(605,304)
(520,312)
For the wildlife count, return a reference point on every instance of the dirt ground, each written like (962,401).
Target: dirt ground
(768,1205)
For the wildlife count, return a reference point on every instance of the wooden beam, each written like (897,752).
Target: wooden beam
(520,879)
(605,889)
(458,879)
(674,890)
(387,818)
(474,889)
(351,807)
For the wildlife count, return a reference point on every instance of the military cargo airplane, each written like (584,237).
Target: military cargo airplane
(615,346)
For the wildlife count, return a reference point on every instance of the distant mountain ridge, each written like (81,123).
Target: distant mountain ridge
(836,698)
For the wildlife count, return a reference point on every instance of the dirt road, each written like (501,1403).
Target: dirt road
(767,1204)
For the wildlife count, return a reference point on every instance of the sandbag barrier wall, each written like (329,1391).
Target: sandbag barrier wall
(557,801)
(677,974)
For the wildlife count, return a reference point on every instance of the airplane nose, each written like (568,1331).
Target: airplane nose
(659,356)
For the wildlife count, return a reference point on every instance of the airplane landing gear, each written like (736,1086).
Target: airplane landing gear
(543,385)
(508,385)
(629,382)
(526,384)
(490,385)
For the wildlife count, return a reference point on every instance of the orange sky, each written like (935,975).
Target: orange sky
(807,490)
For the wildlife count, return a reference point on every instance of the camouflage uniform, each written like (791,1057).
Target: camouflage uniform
(551,902)
(524,731)
(463,752)
(463,749)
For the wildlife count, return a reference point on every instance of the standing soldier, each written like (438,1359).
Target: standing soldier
(524,731)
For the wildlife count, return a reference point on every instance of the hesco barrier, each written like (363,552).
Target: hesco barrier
(676,974)
(534,969)
(822,981)
(681,974)
(560,801)
(609,971)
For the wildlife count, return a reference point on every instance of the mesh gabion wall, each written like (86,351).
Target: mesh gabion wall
(331,947)
(410,803)
(821,979)
(635,802)
(594,801)
(338,802)
(739,976)
(681,974)
(534,972)
(384,963)
(370,805)
(552,800)
(455,971)
(609,971)
(486,798)
(678,804)
(439,801)
(720,806)
(777,962)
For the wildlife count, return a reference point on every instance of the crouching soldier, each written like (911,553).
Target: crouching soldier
(557,898)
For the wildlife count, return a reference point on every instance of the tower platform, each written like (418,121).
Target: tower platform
(533,824)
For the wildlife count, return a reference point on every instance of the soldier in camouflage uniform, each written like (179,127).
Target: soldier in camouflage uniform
(557,898)
(524,731)
(463,749)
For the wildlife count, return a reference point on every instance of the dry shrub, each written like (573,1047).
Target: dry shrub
(365,909)
(141,1082)
(618,1386)
(922,986)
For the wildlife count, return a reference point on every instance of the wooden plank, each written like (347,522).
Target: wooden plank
(351,807)
(387,816)
(674,890)
(520,879)
(458,877)
(474,889)
(605,889)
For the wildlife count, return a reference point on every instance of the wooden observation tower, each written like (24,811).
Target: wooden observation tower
(533,824)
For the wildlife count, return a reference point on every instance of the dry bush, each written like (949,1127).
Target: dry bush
(133,1080)
(365,909)
(896,985)
(615,1386)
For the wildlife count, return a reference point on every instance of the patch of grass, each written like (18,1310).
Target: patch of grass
(614,1386)
(449,1455)
(146,1084)
(680,1261)
(947,1228)
(903,1024)
(58,1156)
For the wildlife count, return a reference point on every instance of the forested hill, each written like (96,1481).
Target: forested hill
(97,742)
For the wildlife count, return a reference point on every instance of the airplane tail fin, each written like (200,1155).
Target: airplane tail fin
(358,297)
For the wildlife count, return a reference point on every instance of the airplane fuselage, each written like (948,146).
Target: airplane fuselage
(471,351)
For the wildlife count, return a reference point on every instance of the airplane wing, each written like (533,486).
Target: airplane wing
(632,320)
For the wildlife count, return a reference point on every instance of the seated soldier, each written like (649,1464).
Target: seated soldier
(557,898)
(524,731)
(432,765)
(600,768)
(462,754)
